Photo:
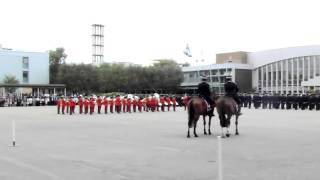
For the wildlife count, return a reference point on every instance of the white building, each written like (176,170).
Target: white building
(284,71)
(27,67)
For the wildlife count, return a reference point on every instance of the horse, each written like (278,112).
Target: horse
(226,108)
(196,107)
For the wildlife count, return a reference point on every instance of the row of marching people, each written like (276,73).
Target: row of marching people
(88,105)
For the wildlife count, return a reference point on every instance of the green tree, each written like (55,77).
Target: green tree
(9,79)
(56,58)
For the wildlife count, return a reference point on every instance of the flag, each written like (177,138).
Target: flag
(187,51)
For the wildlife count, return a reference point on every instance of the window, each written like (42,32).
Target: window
(25,76)
(25,62)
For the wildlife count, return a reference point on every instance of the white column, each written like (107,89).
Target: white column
(287,78)
(261,71)
(281,77)
(277,76)
(309,68)
(65,92)
(267,79)
(314,66)
(271,78)
(298,74)
(38,92)
(303,59)
(292,75)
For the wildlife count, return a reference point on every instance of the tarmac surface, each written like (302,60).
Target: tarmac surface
(272,145)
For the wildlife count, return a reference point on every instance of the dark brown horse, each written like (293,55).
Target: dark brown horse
(198,107)
(226,108)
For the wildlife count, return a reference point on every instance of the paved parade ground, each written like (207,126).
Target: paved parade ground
(272,145)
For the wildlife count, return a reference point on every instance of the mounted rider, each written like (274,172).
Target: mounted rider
(204,91)
(231,90)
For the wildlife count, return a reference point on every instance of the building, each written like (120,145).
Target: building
(31,69)
(27,67)
(284,71)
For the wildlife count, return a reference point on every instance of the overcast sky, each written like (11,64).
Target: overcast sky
(142,30)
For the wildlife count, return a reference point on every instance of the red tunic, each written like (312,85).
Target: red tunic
(99,101)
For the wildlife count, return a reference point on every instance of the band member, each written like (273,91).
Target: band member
(99,103)
(168,101)
(140,104)
(129,105)
(124,104)
(86,105)
(134,104)
(174,102)
(185,100)
(117,103)
(111,102)
(91,103)
(80,104)
(67,105)
(72,105)
(162,100)
(61,104)
(105,103)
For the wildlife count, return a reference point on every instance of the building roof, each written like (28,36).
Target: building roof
(217,66)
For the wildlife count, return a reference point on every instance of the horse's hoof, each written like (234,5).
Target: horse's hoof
(205,133)
(209,133)
(237,133)
(228,135)
(195,135)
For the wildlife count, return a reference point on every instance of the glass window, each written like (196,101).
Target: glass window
(25,76)
(214,79)
(214,72)
(222,79)
(25,62)
(222,71)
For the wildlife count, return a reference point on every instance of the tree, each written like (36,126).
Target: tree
(56,58)
(9,79)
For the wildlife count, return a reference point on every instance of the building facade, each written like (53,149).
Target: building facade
(27,67)
(283,71)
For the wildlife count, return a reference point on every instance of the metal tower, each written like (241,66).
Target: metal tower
(97,44)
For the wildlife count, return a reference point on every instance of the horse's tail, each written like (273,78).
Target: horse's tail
(190,114)
(222,116)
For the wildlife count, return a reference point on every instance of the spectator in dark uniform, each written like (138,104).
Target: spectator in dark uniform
(204,91)
(256,100)
(318,102)
(249,99)
(276,101)
(283,100)
(295,102)
(289,101)
(264,100)
(232,90)
(312,101)
(305,101)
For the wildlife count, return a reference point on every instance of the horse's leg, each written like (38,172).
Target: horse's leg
(195,126)
(204,125)
(188,136)
(209,124)
(221,121)
(237,133)
(228,125)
